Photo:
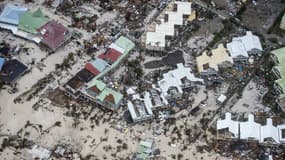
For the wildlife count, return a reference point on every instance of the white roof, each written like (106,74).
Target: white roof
(251,41)
(249,129)
(28,36)
(147,102)
(174,18)
(240,46)
(173,78)
(132,110)
(12,28)
(236,48)
(169,81)
(143,111)
(222,98)
(183,8)
(167,28)
(40,152)
(269,131)
(280,128)
(117,48)
(164,99)
(233,126)
(155,39)
(131,91)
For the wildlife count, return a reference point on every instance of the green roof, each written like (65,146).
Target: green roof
(117,96)
(144,148)
(31,21)
(125,43)
(280,54)
(99,84)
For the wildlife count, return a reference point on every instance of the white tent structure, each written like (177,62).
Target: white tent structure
(269,131)
(240,46)
(228,123)
(249,129)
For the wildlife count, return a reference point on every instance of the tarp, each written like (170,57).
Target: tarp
(2,61)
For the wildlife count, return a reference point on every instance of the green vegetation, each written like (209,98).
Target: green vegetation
(136,68)
(275,28)
(228,28)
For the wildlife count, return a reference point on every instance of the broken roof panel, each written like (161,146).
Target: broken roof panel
(11,14)
(11,70)
(54,34)
(31,21)
(140,109)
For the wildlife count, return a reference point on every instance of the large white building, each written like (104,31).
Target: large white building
(241,47)
(174,81)
(167,24)
(250,130)
(140,108)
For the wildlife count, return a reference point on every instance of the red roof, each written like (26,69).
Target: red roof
(54,34)
(91,69)
(111,55)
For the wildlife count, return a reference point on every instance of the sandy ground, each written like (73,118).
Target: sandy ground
(251,100)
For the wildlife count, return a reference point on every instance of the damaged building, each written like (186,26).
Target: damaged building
(250,130)
(278,57)
(174,81)
(175,14)
(240,48)
(34,26)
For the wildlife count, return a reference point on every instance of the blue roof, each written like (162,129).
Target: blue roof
(100,64)
(11,14)
(2,61)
